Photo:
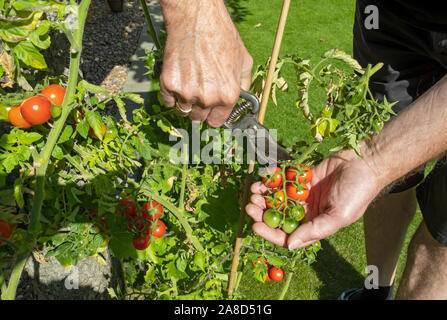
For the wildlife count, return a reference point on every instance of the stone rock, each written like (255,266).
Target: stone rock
(88,280)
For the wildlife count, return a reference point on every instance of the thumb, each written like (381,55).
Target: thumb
(322,226)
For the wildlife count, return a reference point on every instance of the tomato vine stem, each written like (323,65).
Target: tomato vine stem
(152,31)
(286,286)
(41,161)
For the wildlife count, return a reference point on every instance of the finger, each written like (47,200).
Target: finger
(255,212)
(218,115)
(322,226)
(276,236)
(246,73)
(198,113)
(258,200)
(168,98)
(259,187)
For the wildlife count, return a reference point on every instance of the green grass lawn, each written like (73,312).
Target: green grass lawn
(313,27)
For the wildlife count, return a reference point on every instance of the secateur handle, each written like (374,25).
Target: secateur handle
(250,101)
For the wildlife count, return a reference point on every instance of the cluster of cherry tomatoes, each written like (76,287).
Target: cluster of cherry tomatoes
(273,273)
(36,109)
(284,200)
(144,223)
(5,231)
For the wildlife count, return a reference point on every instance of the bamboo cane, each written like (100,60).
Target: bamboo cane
(261,116)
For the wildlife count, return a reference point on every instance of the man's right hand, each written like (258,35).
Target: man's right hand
(205,62)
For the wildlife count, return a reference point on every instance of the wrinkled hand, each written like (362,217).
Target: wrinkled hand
(205,62)
(342,187)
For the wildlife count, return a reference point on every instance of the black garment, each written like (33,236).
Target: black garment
(415,58)
(426,14)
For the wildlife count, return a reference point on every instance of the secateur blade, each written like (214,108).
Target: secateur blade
(260,140)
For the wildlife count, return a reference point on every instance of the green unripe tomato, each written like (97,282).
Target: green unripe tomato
(111,134)
(4,110)
(297,213)
(56,111)
(290,225)
(356,95)
(377,124)
(272,218)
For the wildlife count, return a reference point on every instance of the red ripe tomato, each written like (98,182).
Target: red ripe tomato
(152,209)
(16,118)
(305,177)
(141,242)
(55,93)
(277,199)
(275,178)
(276,274)
(126,207)
(5,231)
(294,193)
(36,109)
(159,230)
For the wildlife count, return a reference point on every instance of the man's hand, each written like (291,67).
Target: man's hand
(342,187)
(205,62)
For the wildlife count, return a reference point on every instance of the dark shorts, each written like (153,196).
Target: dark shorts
(414,60)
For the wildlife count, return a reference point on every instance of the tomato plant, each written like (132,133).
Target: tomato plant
(78,181)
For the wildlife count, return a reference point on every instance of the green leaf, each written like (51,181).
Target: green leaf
(47,4)
(57,153)
(134,97)
(333,123)
(199,260)
(28,138)
(82,128)
(120,245)
(95,122)
(10,162)
(30,55)
(66,134)
(18,195)
(7,197)
(174,272)
(18,29)
(274,260)
(40,37)
(143,150)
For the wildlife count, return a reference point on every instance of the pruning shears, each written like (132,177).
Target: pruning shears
(267,149)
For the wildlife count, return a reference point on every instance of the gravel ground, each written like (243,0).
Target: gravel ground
(110,39)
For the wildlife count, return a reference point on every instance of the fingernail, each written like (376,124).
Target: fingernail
(295,244)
